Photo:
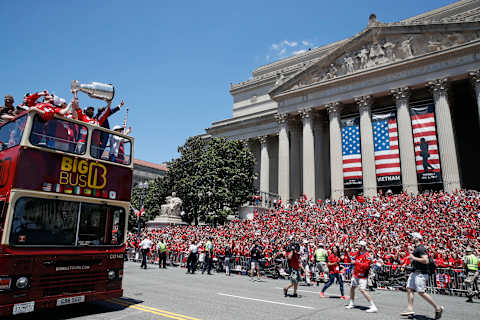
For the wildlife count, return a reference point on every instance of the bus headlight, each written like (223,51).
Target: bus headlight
(5,283)
(22,283)
(111,275)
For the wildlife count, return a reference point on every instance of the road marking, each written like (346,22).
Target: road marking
(163,313)
(267,301)
(317,292)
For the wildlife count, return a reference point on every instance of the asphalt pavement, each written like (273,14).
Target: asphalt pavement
(172,294)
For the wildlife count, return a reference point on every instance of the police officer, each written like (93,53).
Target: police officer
(145,246)
(162,254)
(471,268)
(321,262)
(208,256)
(192,258)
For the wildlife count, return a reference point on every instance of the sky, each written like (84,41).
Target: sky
(171,61)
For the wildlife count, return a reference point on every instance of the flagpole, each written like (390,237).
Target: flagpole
(143,187)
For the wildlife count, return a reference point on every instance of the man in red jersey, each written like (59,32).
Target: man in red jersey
(46,108)
(292,253)
(362,261)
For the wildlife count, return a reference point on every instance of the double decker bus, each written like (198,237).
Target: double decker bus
(64,198)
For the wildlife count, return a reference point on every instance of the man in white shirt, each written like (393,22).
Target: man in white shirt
(192,258)
(145,246)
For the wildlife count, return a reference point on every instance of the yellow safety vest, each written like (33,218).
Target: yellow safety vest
(321,255)
(472,263)
(162,247)
(209,246)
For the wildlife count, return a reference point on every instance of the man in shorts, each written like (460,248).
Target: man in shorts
(293,256)
(362,261)
(417,281)
(255,255)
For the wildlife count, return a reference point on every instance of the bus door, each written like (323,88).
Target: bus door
(3,213)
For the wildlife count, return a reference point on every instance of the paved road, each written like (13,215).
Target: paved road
(172,294)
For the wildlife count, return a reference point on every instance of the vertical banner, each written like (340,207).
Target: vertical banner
(352,153)
(425,142)
(387,156)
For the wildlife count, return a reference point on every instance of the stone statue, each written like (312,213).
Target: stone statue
(363,56)
(406,48)
(389,52)
(173,207)
(349,64)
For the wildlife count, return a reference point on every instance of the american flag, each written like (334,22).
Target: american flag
(423,126)
(351,150)
(385,140)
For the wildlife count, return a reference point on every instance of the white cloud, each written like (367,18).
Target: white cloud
(287,48)
(290,44)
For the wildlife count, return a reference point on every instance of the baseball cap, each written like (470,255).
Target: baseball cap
(362,243)
(117,127)
(469,249)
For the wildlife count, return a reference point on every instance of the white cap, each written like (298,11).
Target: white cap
(58,101)
(416,235)
(362,243)
(305,241)
(117,127)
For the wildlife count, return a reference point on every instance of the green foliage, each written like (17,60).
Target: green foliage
(213,178)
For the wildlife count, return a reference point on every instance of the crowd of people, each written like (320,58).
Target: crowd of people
(449,223)
(400,230)
(70,138)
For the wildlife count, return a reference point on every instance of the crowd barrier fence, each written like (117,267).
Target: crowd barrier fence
(445,281)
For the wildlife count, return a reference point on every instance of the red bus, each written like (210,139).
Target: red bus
(64,198)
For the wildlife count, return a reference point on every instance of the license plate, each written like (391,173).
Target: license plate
(25,307)
(70,300)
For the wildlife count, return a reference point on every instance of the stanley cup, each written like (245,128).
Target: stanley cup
(95,90)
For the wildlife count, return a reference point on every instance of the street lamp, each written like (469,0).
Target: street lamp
(143,188)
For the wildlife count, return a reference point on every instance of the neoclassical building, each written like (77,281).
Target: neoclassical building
(395,106)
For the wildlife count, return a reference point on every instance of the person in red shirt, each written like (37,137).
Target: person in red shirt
(293,255)
(46,108)
(334,272)
(362,261)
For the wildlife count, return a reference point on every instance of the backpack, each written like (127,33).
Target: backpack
(431,267)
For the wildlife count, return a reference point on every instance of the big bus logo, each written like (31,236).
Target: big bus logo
(75,172)
(4,171)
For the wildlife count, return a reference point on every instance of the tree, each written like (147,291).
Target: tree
(213,177)
(186,174)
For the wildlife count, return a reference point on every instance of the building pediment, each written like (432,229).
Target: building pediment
(379,46)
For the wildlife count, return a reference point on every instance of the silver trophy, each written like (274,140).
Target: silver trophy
(95,90)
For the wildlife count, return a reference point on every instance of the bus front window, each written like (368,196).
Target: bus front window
(93,220)
(59,134)
(49,222)
(44,222)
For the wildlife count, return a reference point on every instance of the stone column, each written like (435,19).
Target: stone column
(366,142)
(296,176)
(405,141)
(336,158)
(476,84)
(283,158)
(308,154)
(264,166)
(446,138)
